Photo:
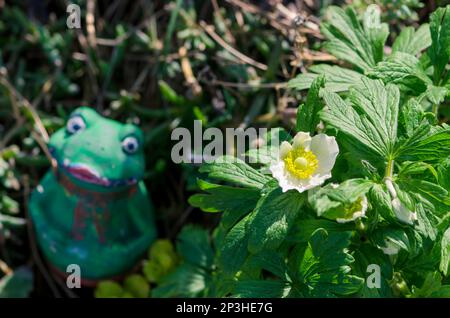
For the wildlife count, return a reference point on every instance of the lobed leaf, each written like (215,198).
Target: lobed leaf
(272,219)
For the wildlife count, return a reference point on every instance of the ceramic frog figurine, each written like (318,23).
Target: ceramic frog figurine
(93,210)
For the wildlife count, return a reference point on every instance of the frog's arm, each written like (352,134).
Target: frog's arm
(137,246)
(141,210)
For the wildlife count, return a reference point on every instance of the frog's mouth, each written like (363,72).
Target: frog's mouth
(87,174)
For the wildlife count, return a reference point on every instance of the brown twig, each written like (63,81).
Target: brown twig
(244,58)
(188,73)
(228,35)
(90,23)
(17,97)
(18,101)
(5,268)
(248,85)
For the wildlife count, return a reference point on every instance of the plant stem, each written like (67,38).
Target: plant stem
(389,169)
(435,110)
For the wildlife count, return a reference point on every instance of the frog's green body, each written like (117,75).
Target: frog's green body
(93,210)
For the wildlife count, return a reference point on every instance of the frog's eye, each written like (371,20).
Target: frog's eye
(130,145)
(75,124)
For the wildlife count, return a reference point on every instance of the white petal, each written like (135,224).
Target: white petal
(402,212)
(390,187)
(364,205)
(289,182)
(326,149)
(302,139)
(355,216)
(390,250)
(285,147)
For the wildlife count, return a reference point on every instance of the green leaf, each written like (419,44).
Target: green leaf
(429,192)
(262,289)
(273,217)
(426,143)
(360,45)
(367,255)
(19,284)
(389,237)
(415,168)
(194,246)
(411,115)
(234,249)
(443,171)
(307,114)
(381,202)
(224,198)
(377,32)
(170,95)
(427,222)
(424,256)
(234,170)
(303,229)
(108,289)
(186,281)
(370,119)
(436,94)
(412,42)
(324,269)
(432,287)
(439,51)
(340,202)
(272,262)
(404,70)
(234,202)
(137,285)
(445,252)
(162,252)
(337,79)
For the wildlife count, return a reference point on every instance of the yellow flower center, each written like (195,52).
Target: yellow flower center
(301,163)
(352,208)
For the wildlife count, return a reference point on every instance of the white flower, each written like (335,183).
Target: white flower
(305,164)
(390,248)
(354,211)
(402,212)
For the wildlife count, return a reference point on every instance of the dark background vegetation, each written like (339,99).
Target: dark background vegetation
(159,64)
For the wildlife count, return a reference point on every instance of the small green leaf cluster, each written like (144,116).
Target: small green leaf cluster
(162,260)
(186,270)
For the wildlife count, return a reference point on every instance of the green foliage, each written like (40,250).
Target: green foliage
(360,42)
(412,41)
(325,268)
(321,270)
(394,10)
(162,260)
(439,51)
(109,289)
(307,115)
(391,211)
(369,119)
(272,218)
(193,277)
